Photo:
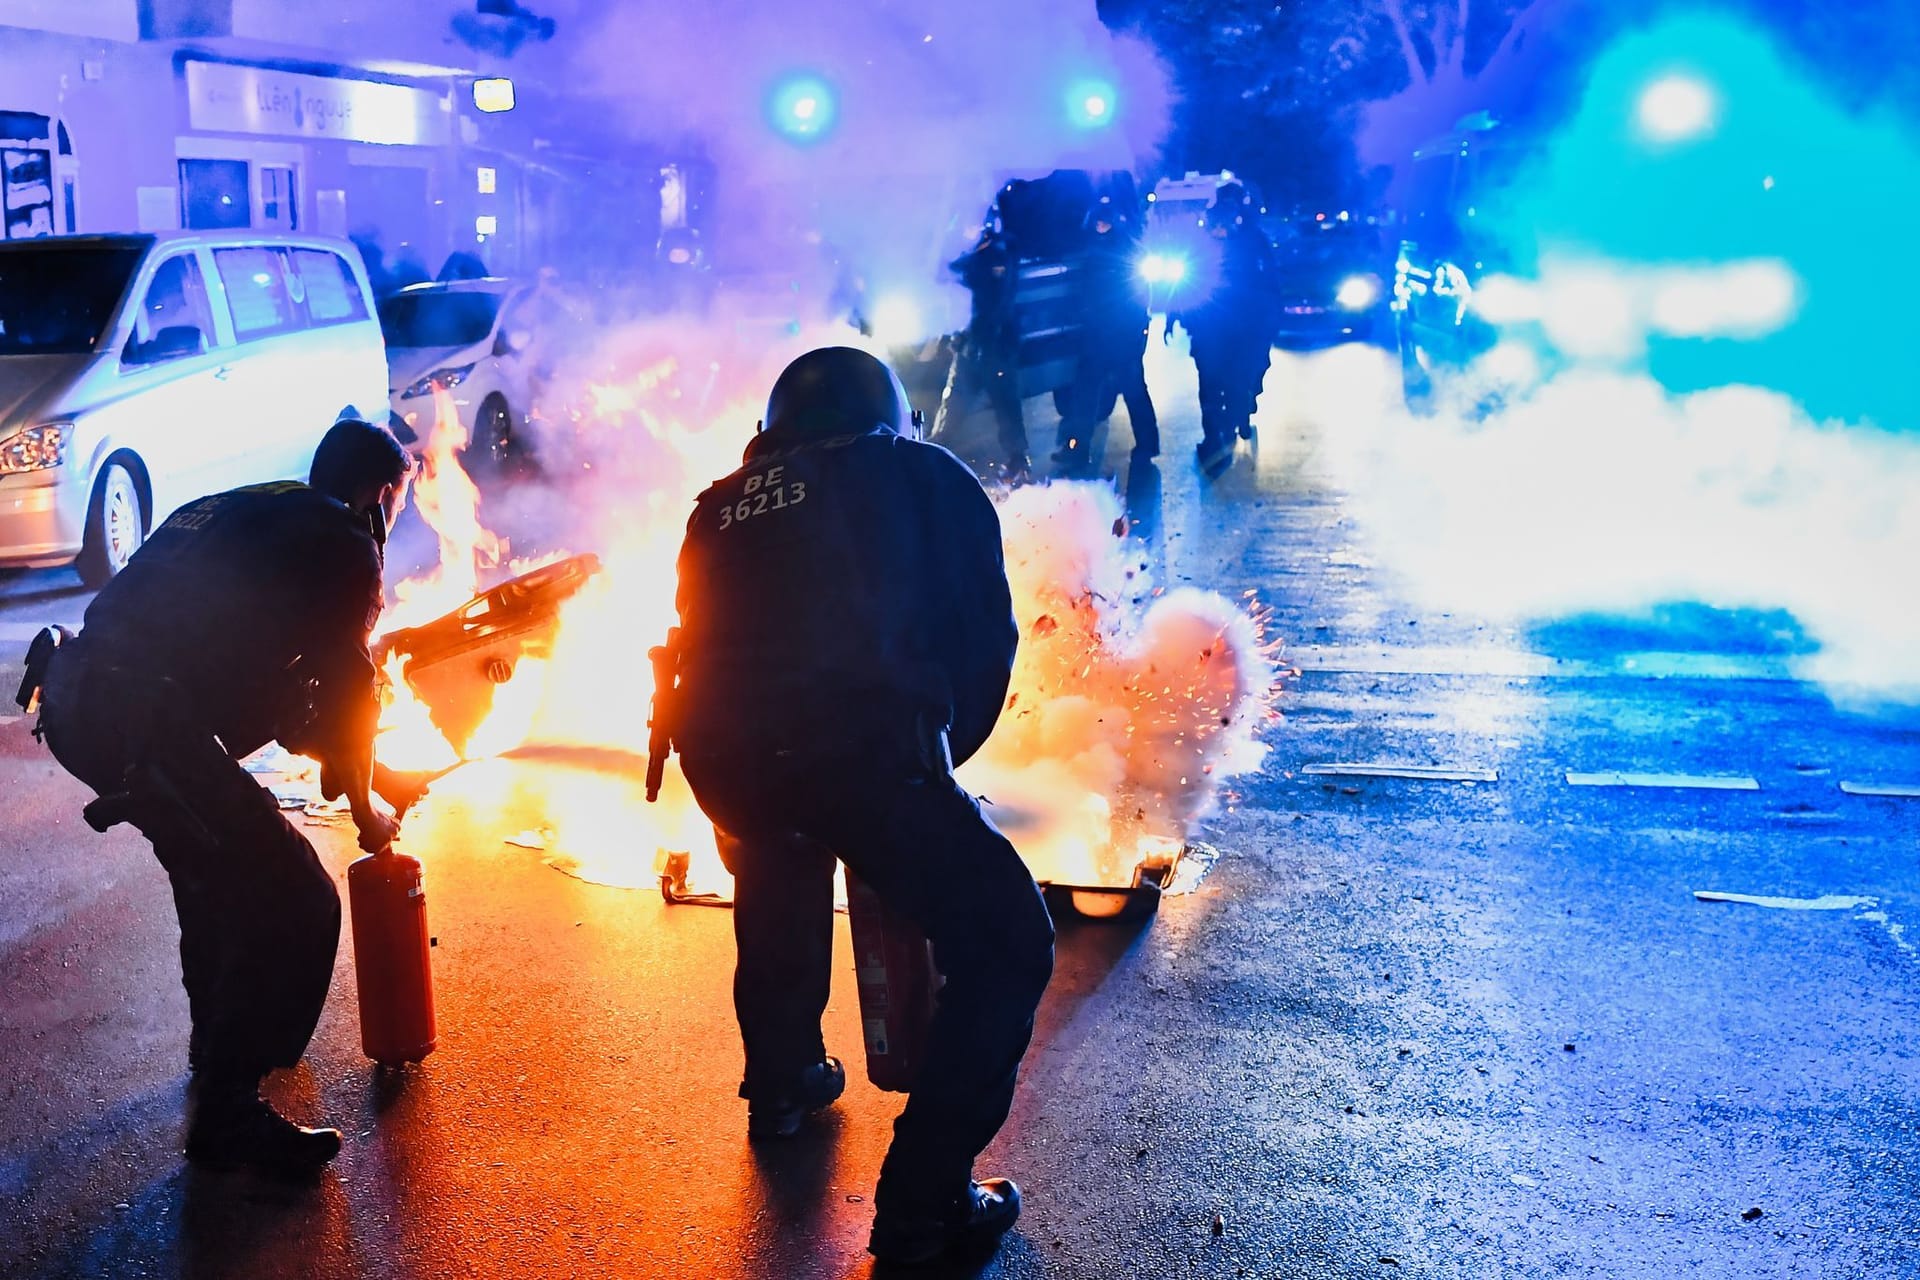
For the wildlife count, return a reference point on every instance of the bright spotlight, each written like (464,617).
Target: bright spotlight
(896,321)
(1091,103)
(1357,293)
(1163,268)
(802,107)
(1677,108)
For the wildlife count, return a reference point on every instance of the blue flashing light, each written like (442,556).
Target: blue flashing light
(803,108)
(1091,104)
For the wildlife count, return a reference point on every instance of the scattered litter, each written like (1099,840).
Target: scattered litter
(1388,1260)
(336,812)
(1522,1180)
(1219,1224)
(535,840)
(1826,902)
(1753,1215)
(1689,781)
(1568,1047)
(1905,790)
(290,797)
(1424,772)
(1194,862)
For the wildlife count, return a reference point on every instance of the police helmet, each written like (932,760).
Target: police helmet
(837,391)
(355,456)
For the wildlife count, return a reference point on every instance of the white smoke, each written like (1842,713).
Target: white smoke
(933,106)
(1599,490)
(1129,707)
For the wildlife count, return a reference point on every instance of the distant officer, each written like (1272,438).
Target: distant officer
(1113,341)
(243,619)
(1231,331)
(847,634)
(992,353)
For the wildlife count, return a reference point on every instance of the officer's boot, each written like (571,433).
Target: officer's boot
(230,1125)
(908,1237)
(781,1115)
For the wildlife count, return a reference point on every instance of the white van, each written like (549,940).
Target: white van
(138,372)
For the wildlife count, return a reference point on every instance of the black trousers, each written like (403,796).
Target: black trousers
(1232,369)
(995,373)
(1110,372)
(931,855)
(259,913)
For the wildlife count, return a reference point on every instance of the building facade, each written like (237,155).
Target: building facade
(132,115)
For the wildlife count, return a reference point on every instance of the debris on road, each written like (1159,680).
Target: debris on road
(1753,1215)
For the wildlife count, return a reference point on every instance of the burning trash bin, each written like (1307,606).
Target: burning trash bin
(454,663)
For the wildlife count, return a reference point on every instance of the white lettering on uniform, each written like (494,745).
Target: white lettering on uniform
(762,492)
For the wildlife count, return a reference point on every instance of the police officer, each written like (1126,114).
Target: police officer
(1113,341)
(1230,331)
(847,634)
(243,619)
(991,358)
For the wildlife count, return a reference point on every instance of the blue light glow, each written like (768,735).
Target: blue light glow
(803,107)
(1091,104)
(1163,268)
(1700,145)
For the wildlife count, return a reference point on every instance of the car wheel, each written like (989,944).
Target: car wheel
(116,525)
(494,435)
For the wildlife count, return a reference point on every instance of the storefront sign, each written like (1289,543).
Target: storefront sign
(225,98)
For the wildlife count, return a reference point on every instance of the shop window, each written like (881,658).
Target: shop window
(26,191)
(173,312)
(333,295)
(257,291)
(213,195)
(279,199)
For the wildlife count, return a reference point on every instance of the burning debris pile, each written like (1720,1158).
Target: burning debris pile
(1128,706)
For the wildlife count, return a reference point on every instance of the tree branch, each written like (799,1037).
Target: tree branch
(1396,13)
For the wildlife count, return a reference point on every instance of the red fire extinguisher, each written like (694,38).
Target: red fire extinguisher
(391,964)
(893,962)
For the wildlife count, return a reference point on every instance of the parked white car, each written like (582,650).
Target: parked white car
(473,338)
(138,372)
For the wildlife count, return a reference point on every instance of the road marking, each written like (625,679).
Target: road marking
(1460,660)
(1826,902)
(1908,790)
(1425,772)
(1691,781)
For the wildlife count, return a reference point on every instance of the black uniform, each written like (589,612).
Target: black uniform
(844,606)
(1113,350)
(992,354)
(243,619)
(1232,335)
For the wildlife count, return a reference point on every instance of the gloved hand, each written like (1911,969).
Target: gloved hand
(401,788)
(377,830)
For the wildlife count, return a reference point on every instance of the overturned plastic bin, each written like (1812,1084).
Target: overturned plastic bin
(454,663)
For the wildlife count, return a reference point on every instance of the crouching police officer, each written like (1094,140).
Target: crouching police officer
(243,619)
(846,635)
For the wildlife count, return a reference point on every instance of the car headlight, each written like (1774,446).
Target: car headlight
(1163,268)
(1357,293)
(35,449)
(448,377)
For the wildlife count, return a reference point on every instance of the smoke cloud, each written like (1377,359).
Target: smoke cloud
(921,109)
(1701,393)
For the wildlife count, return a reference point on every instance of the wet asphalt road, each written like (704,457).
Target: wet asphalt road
(1405,1028)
